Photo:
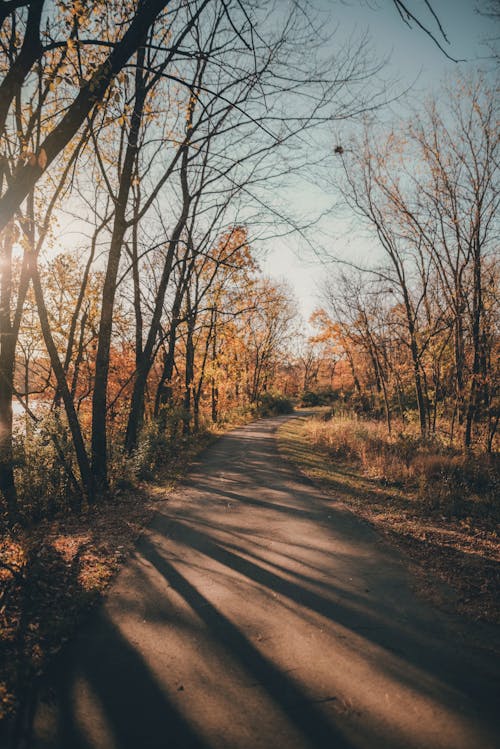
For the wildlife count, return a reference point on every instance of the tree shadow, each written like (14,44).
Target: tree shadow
(100,693)
(104,681)
(297,706)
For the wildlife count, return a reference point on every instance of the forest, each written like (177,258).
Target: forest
(143,148)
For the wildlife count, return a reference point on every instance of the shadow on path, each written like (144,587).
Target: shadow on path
(259,614)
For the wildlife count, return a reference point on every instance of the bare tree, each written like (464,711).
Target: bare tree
(432,199)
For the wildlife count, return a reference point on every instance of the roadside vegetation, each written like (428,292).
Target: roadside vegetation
(438,505)
(406,346)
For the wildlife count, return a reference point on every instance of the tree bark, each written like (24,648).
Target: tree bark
(30,52)
(8,339)
(477,309)
(188,381)
(99,399)
(136,413)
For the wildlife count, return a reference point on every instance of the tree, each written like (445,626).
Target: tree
(92,91)
(124,111)
(431,196)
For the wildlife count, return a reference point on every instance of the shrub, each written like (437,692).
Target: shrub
(159,444)
(310,398)
(324,397)
(44,466)
(274,404)
(450,483)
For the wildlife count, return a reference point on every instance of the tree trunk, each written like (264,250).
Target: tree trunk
(164,390)
(99,400)
(214,390)
(145,363)
(7,484)
(459,366)
(477,312)
(357,385)
(30,52)
(421,404)
(69,406)
(196,411)
(214,394)
(75,115)
(189,377)
(8,339)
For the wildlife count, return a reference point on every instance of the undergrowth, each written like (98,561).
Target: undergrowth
(273,404)
(444,480)
(57,563)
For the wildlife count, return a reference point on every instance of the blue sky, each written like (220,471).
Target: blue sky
(414,59)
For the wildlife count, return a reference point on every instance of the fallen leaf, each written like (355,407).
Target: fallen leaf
(42,158)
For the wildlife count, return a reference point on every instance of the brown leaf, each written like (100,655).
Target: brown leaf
(42,158)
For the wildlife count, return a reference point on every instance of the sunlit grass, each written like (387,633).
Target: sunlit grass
(430,505)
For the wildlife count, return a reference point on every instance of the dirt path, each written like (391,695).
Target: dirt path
(257,614)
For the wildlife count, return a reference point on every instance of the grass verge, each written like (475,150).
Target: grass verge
(461,552)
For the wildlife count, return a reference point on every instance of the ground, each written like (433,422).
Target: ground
(258,611)
(53,571)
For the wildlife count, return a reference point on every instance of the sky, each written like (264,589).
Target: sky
(415,61)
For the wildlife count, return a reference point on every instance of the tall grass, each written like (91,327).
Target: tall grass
(442,479)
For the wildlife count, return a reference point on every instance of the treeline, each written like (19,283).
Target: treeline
(139,142)
(143,146)
(223,338)
(419,329)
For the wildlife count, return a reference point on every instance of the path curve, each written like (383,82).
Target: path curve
(257,613)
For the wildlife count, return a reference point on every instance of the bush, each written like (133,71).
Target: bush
(159,444)
(311,398)
(272,404)
(44,460)
(450,483)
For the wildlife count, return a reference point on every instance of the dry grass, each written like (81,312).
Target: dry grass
(445,481)
(439,508)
